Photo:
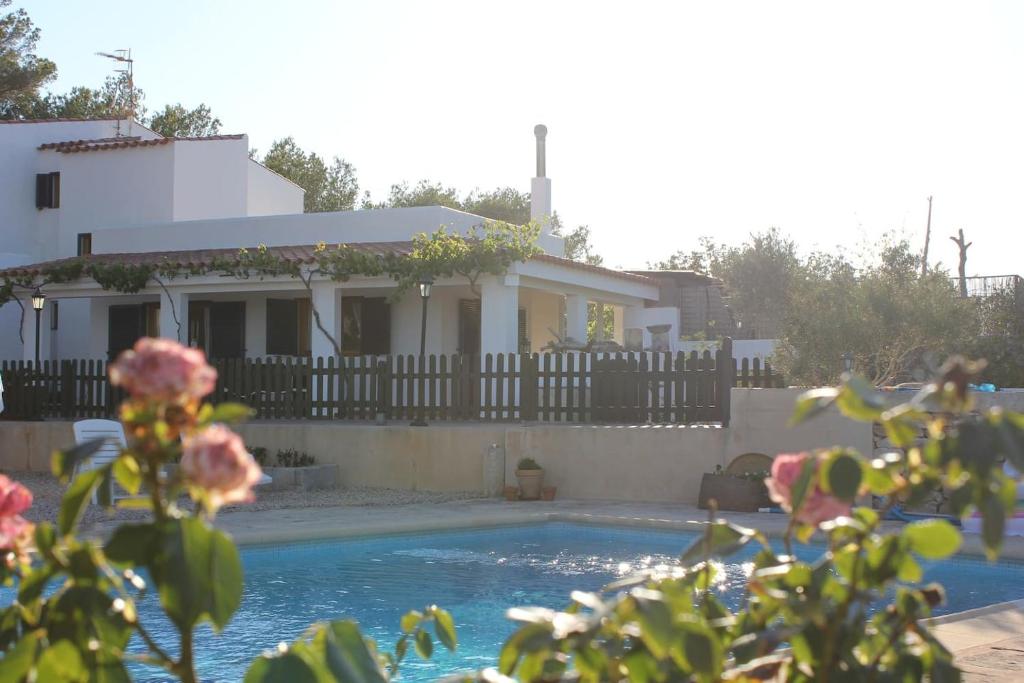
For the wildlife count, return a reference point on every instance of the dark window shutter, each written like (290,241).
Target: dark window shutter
(84,243)
(55,190)
(524,332)
(227,329)
(282,327)
(469,326)
(42,190)
(376,327)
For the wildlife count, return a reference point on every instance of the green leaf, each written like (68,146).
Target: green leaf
(701,648)
(858,400)
(198,573)
(841,475)
(349,658)
(33,585)
(286,667)
(424,644)
(63,463)
(811,403)
(17,662)
(410,620)
(134,544)
(529,638)
(993,525)
(721,539)
(932,539)
(76,498)
(230,412)
(128,474)
(444,627)
(61,662)
(901,433)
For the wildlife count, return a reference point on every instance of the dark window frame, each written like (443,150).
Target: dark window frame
(84,243)
(48,190)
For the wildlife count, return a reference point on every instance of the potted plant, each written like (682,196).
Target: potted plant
(531,479)
(739,492)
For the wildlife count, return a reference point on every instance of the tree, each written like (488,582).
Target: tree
(175,121)
(22,73)
(896,324)
(577,244)
(505,204)
(328,188)
(115,99)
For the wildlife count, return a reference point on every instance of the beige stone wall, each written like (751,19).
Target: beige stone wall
(630,462)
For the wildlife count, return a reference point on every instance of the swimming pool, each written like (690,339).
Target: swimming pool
(476,574)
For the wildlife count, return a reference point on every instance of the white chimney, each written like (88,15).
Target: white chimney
(540,186)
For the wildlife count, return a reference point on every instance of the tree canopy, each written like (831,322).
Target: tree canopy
(329,187)
(175,121)
(22,72)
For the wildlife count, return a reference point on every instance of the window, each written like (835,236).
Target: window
(524,332)
(288,327)
(54,313)
(365,326)
(469,326)
(84,243)
(48,190)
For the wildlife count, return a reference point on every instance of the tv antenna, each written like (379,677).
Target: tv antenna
(125,62)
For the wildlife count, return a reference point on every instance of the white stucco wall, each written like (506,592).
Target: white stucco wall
(105,189)
(19,155)
(210,178)
(269,194)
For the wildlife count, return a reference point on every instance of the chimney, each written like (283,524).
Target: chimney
(540,186)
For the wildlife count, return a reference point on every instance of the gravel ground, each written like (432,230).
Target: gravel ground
(47,492)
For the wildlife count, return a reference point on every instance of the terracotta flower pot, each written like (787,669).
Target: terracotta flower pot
(548,493)
(511,493)
(530,483)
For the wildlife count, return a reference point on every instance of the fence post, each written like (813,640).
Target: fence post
(725,380)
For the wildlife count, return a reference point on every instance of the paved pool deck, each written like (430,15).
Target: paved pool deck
(988,642)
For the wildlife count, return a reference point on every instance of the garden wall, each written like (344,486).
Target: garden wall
(627,462)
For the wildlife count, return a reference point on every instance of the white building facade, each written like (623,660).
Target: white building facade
(115,192)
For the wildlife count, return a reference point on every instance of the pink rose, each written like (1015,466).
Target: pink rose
(817,506)
(14,498)
(164,370)
(15,534)
(215,459)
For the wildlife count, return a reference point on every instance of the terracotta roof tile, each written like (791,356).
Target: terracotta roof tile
(299,253)
(101,144)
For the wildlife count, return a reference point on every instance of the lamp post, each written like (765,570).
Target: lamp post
(847,362)
(38,301)
(425,284)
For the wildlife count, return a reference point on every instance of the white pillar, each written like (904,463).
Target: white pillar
(499,315)
(576,318)
(174,314)
(618,329)
(99,327)
(326,301)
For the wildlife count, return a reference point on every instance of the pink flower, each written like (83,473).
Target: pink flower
(215,459)
(817,506)
(164,370)
(14,497)
(15,534)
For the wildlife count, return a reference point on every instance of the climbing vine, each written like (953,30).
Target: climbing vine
(490,249)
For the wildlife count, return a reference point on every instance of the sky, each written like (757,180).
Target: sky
(668,121)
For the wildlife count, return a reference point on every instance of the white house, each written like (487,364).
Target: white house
(115,191)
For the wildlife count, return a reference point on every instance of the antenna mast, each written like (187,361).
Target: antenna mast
(124,57)
(927,239)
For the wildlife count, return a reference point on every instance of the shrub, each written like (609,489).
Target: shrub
(294,458)
(528,464)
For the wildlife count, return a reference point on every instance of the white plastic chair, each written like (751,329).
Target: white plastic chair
(113,432)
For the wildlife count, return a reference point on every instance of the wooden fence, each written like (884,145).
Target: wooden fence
(571,388)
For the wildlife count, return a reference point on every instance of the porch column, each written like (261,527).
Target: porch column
(499,315)
(174,314)
(618,330)
(576,318)
(326,301)
(99,327)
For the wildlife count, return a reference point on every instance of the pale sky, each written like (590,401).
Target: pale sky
(667,121)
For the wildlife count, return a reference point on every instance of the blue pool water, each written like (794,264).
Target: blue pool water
(476,574)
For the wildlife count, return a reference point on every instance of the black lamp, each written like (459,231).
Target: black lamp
(847,362)
(38,301)
(425,283)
